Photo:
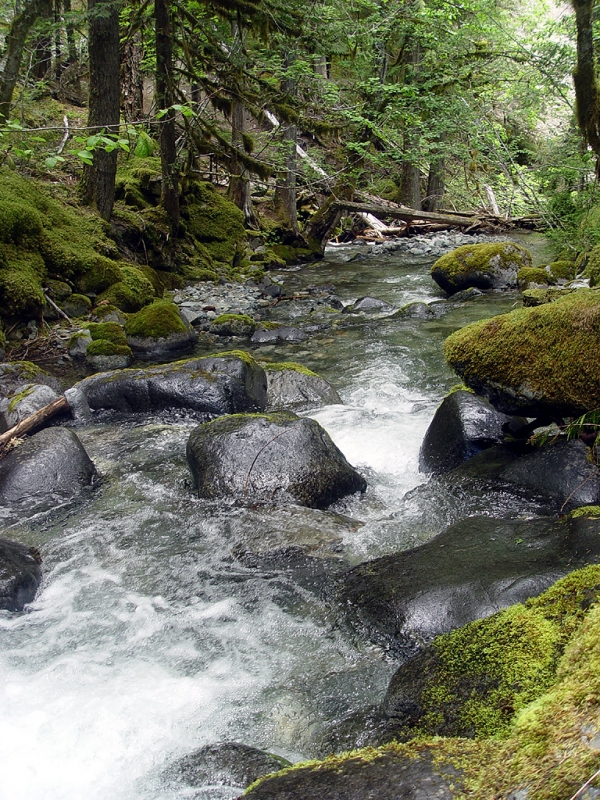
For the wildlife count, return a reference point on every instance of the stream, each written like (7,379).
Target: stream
(165,623)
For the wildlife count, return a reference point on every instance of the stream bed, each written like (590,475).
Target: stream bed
(165,623)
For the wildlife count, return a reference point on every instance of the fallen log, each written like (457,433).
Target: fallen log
(407,214)
(34,420)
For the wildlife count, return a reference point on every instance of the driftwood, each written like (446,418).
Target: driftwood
(34,420)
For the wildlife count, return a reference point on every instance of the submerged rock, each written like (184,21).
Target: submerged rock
(223,384)
(471,570)
(20,575)
(292,387)
(463,426)
(225,764)
(483,266)
(275,457)
(51,464)
(534,361)
(392,772)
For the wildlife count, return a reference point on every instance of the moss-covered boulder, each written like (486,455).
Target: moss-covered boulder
(214,222)
(233,325)
(534,278)
(26,400)
(484,266)
(108,348)
(158,331)
(276,457)
(473,681)
(77,305)
(592,268)
(293,387)
(131,291)
(562,270)
(534,361)
(538,297)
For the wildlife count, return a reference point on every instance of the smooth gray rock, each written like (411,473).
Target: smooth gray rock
(463,425)
(471,570)
(225,764)
(291,390)
(275,457)
(368,305)
(465,295)
(225,384)
(52,464)
(278,335)
(20,575)
(26,401)
(14,374)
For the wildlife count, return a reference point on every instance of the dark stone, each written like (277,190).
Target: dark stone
(52,463)
(274,458)
(225,764)
(16,374)
(390,774)
(471,570)
(278,335)
(463,426)
(415,310)
(368,305)
(272,290)
(465,295)
(290,390)
(151,349)
(20,575)
(558,472)
(214,385)
(335,302)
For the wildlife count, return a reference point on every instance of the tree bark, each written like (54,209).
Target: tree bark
(164,95)
(13,50)
(71,48)
(435,184)
(43,46)
(318,230)
(285,193)
(132,80)
(587,93)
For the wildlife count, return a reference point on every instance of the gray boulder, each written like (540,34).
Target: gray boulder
(225,384)
(278,335)
(463,426)
(275,457)
(225,764)
(26,401)
(391,773)
(292,387)
(368,305)
(15,374)
(20,575)
(471,570)
(52,464)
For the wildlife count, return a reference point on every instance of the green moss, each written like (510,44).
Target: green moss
(241,354)
(459,387)
(16,399)
(283,366)
(233,325)
(233,422)
(563,270)
(138,182)
(527,275)
(156,321)
(215,222)
(21,284)
(548,352)
(538,297)
(472,259)
(592,269)
(589,512)
(292,255)
(109,331)
(104,347)
(132,292)
(58,290)
(19,223)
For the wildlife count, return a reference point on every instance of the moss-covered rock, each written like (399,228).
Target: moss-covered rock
(131,292)
(102,347)
(534,277)
(562,270)
(77,305)
(233,325)
(293,255)
(588,512)
(535,361)
(484,266)
(215,222)
(107,331)
(58,290)
(592,268)
(538,297)
(158,330)
(138,182)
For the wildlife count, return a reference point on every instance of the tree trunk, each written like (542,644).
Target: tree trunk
(318,230)
(164,96)
(104,106)
(320,66)
(587,93)
(285,193)
(71,48)
(58,53)
(410,180)
(132,80)
(13,50)
(42,60)
(435,184)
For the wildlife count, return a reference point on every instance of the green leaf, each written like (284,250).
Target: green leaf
(86,156)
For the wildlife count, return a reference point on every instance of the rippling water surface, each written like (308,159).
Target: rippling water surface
(165,624)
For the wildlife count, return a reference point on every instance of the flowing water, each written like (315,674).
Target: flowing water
(165,624)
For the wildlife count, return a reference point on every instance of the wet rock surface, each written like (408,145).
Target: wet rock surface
(297,389)
(212,385)
(225,764)
(51,464)
(20,575)
(273,458)
(463,426)
(471,570)
(27,400)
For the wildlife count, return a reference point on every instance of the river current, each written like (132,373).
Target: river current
(164,624)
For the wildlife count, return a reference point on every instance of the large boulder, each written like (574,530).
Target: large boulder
(392,772)
(51,464)
(14,375)
(292,387)
(471,570)
(463,426)
(473,681)
(20,575)
(159,331)
(270,457)
(534,361)
(484,266)
(225,764)
(26,401)
(225,384)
